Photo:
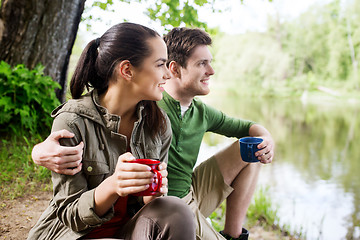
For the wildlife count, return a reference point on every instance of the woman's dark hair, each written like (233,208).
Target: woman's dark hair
(96,66)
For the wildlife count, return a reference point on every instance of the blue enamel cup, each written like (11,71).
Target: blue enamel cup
(248,147)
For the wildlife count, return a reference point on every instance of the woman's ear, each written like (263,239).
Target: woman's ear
(125,69)
(174,68)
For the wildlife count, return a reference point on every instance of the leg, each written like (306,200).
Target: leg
(242,177)
(207,192)
(162,218)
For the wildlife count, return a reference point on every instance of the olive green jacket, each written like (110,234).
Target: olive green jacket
(70,213)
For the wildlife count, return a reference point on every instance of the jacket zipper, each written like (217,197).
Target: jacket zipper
(133,141)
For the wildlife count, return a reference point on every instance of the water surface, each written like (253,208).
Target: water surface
(315,177)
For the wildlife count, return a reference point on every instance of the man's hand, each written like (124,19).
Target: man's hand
(266,154)
(57,158)
(267,146)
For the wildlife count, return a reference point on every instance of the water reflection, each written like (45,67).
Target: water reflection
(315,178)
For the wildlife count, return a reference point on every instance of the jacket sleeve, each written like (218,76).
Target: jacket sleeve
(72,197)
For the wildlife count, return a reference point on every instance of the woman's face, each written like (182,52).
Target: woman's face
(150,77)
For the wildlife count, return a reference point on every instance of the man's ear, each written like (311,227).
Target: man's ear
(174,68)
(125,69)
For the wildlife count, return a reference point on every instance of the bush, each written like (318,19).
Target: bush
(27,98)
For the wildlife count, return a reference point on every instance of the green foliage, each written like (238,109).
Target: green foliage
(26,99)
(254,62)
(217,217)
(174,13)
(261,210)
(320,48)
(19,175)
(319,42)
(103,5)
(170,13)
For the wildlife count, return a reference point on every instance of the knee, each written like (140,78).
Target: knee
(172,207)
(172,217)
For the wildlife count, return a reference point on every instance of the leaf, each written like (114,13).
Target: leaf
(7,103)
(200,2)
(5,117)
(5,71)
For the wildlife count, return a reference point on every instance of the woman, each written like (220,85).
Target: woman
(117,121)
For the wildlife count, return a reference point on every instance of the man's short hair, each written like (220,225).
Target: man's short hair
(181,43)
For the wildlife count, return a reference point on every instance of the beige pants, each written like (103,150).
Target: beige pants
(207,192)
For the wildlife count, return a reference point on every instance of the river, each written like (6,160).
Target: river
(314,180)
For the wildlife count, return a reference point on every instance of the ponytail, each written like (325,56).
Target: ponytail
(85,74)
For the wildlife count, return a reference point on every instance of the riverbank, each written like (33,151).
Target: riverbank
(17,216)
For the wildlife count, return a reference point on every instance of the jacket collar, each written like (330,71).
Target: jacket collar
(88,106)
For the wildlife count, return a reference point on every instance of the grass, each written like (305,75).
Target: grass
(18,174)
(262,212)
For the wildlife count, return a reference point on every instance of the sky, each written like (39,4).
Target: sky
(235,17)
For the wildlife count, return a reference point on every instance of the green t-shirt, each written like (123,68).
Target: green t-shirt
(188,132)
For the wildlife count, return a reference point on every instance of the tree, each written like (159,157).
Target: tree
(40,31)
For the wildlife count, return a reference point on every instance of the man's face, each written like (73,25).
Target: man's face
(195,77)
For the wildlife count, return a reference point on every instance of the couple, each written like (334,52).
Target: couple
(119,120)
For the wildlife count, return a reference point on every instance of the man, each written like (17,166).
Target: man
(222,176)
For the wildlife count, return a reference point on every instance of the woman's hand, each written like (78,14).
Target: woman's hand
(164,186)
(131,177)
(127,179)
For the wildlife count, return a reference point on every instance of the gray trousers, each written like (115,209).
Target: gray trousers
(163,218)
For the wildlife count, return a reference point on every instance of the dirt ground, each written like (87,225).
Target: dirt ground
(19,215)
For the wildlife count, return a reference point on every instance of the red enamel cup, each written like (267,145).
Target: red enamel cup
(155,186)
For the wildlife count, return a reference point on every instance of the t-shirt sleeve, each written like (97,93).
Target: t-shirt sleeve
(219,122)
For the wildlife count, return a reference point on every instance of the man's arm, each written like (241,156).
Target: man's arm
(233,127)
(57,158)
(266,154)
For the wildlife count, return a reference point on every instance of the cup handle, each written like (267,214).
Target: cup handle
(159,184)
